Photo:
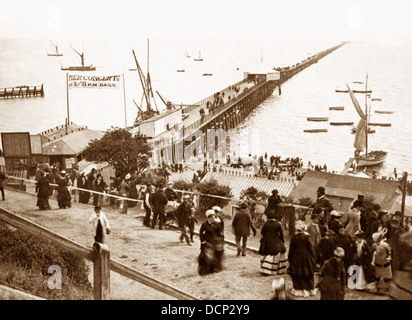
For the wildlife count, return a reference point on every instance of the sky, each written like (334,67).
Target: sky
(271,20)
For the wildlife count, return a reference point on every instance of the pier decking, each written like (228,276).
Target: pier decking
(22,92)
(237,102)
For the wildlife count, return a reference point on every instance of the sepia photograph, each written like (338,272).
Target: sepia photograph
(224,153)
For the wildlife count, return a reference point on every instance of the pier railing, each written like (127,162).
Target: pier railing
(22,92)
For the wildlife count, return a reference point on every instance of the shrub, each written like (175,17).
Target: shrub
(32,257)
(214,188)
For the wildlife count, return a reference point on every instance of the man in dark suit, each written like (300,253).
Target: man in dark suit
(322,206)
(242,223)
(159,203)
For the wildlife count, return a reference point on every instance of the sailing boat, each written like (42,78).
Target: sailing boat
(371,158)
(82,67)
(57,54)
(199,58)
(187,55)
(148,95)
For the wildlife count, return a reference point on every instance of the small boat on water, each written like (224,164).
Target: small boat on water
(384,112)
(371,158)
(341,123)
(376,99)
(57,54)
(207,74)
(180,70)
(337,108)
(380,124)
(317,118)
(199,58)
(315,130)
(79,68)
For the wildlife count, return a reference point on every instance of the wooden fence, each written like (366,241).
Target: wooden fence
(99,255)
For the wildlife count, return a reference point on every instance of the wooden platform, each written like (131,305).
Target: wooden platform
(22,92)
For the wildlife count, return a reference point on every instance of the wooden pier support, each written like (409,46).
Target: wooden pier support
(22,92)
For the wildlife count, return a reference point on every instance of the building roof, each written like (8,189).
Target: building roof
(239,182)
(346,186)
(71,144)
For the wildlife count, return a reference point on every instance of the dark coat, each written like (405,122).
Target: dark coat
(346,243)
(273,202)
(211,233)
(333,280)
(242,223)
(170,194)
(301,256)
(272,241)
(43,188)
(159,202)
(322,203)
(183,213)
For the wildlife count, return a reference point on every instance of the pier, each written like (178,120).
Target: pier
(227,108)
(22,92)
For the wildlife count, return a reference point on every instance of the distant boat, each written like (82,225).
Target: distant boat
(370,130)
(376,99)
(315,130)
(199,58)
(380,124)
(336,108)
(354,91)
(180,70)
(341,123)
(79,68)
(207,74)
(57,54)
(187,55)
(384,112)
(317,118)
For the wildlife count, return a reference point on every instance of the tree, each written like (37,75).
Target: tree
(120,149)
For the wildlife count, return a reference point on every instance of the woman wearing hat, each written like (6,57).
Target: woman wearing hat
(362,257)
(273,202)
(382,262)
(302,262)
(63,195)
(333,277)
(272,247)
(211,245)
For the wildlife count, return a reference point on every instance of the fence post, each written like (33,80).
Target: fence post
(101,271)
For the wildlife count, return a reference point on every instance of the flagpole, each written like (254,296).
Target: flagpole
(67,93)
(124,101)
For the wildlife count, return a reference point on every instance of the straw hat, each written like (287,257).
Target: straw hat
(377,236)
(210,212)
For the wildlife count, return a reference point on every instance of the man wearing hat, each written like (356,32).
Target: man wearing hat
(159,204)
(371,217)
(334,223)
(183,213)
(100,225)
(241,224)
(322,205)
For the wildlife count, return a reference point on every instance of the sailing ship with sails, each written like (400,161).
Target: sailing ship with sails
(198,58)
(79,68)
(371,158)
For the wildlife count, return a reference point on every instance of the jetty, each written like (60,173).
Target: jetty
(22,92)
(342,123)
(224,110)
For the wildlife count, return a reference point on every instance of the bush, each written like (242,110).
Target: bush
(182,184)
(31,258)
(214,188)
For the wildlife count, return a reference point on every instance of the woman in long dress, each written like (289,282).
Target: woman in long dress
(63,193)
(43,192)
(272,247)
(362,257)
(84,196)
(333,277)
(302,262)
